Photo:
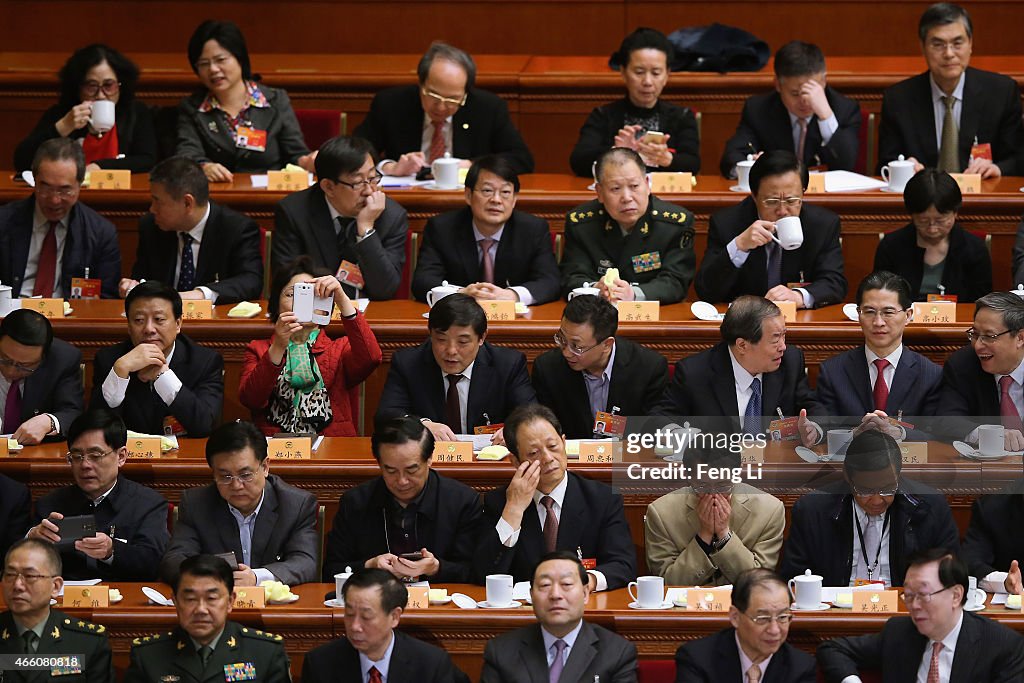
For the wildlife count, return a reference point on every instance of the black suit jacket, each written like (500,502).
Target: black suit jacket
(415,386)
(482,126)
(138,516)
(765,126)
(592,520)
(55,387)
(986,652)
(229,255)
(412,661)
(967,271)
(447,522)
(15,508)
(639,376)
(819,259)
(821,533)
(989,545)
(91,243)
(524,258)
(990,112)
(284,540)
(968,396)
(716,658)
(303,225)
(198,404)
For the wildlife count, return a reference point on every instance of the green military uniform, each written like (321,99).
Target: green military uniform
(62,635)
(657,254)
(242,655)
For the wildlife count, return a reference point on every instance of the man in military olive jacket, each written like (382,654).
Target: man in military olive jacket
(648,240)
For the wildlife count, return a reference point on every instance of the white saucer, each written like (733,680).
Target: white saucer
(974,608)
(441,602)
(972,453)
(702,310)
(886,189)
(156,597)
(1007,606)
(850,311)
(334,602)
(667,604)
(822,606)
(737,188)
(286,601)
(807,455)
(433,186)
(463,601)
(843,605)
(486,605)
(427,314)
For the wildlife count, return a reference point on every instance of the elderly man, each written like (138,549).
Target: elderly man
(413,125)
(647,241)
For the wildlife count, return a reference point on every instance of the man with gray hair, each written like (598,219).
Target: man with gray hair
(412,125)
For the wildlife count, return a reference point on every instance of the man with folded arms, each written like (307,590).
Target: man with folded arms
(939,641)
(131,519)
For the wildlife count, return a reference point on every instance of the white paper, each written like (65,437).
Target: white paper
(480,441)
(999,598)
(829,593)
(521,590)
(848,181)
(260,180)
(361,304)
(93,582)
(30,179)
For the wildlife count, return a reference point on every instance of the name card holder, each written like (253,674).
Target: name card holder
(932,312)
(708,599)
(51,308)
(970,183)
(788,309)
(453,451)
(871,602)
(816,183)
(418,597)
(499,311)
(914,452)
(110,180)
(639,311)
(291,448)
(601,451)
(665,182)
(287,181)
(86,596)
(752,455)
(144,447)
(250,597)
(5,448)
(197,309)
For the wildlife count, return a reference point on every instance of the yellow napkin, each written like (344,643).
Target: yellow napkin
(493,452)
(245,309)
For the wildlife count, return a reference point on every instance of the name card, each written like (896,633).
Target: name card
(110,180)
(788,309)
(144,447)
(51,308)
(5,448)
(708,599)
(453,451)
(418,597)
(930,312)
(499,311)
(291,448)
(287,181)
(197,309)
(639,311)
(752,455)
(601,451)
(663,182)
(914,452)
(816,182)
(871,602)
(970,183)
(86,596)
(250,597)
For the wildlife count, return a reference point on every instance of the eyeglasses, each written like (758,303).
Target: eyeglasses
(763,620)
(886,313)
(51,191)
(228,479)
(76,457)
(20,367)
(449,101)
(776,202)
(109,87)
(940,46)
(574,349)
(30,579)
(886,492)
(922,597)
(943,221)
(358,186)
(489,192)
(973,334)
(219,61)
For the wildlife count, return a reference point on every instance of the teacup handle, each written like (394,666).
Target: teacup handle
(776,239)
(885,173)
(792,589)
(629,588)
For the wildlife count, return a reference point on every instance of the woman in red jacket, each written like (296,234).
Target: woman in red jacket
(301,380)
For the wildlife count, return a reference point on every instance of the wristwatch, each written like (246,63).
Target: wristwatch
(720,543)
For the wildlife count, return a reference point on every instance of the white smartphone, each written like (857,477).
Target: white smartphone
(309,308)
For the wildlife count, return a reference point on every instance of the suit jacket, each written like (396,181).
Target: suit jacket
(229,255)
(415,386)
(55,387)
(592,520)
(138,516)
(639,376)
(482,126)
(818,261)
(303,225)
(15,506)
(716,658)
(447,521)
(968,396)
(198,403)
(1018,255)
(988,546)
(62,635)
(990,112)
(822,535)
(284,540)
(518,657)
(986,652)
(524,257)
(765,126)
(967,271)
(412,661)
(672,524)
(91,243)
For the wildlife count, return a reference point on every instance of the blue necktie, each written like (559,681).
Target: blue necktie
(187,276)
(752,415)
(774,254)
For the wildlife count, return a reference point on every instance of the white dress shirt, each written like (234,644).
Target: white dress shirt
(463,388)
(524,294)
(41,226)
(827,128)
(167,385)
(860,563)
(940,108)
(246,527)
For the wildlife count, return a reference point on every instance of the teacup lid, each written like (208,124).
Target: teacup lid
(807,576)
(1019,291)
(703,310)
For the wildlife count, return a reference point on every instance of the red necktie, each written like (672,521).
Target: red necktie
(933,669)
(881,390)
(1007,410)
(375,675)
(487,261)
(452,405)
(437,146)
(550,524)
(46,272)
(12,409)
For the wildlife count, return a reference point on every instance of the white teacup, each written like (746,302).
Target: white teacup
(583,291)
(990,439)
(743,173)
(897,173)
(499,589)
(339,585)
(441,291)
(975,596)
(838,440)
(5,300)
(650,591)
(789,232)
(102,119)
(806,590)
(446,172)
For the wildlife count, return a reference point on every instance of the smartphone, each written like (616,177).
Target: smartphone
(309,308)
(412,557)
(653,136)
(230,559)
(71,529)
(425,173)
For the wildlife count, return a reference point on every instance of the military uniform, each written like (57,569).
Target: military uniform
(63,635)
(657,254)
(242,654)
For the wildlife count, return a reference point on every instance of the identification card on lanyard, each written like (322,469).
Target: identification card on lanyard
(871,567)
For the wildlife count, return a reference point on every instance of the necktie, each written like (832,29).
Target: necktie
(187,276)
(881,389)
(452,406)
(871,545)
(949,155)
(375,675)
(46,271)
(752,415)
(12,409)
(754,674)
(803,141)
(933,668)
(774,254)
(557,664)
(31,642)
(550,524)
(486,260)
(437,146)
(1007,410)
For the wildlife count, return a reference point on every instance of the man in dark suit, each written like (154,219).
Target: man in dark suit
(412,125)
(561,646)
(760,617)
(867,526)
(804,115)
(15,509)
(268,525)
(344,222)
(938,641)
(40,378)
(208,251)
(372,648)
(50,237)
(743,257)
(546,508)
(455,381)
(409,510)
(977,114)
(131,519)
(159,381)
(498,252)
(593,370)
(992,553)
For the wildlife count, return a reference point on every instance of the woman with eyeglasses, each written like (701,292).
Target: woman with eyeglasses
(234,123)
(96,73)
(933,252)
(301,380)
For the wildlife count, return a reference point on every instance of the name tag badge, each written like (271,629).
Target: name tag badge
(589,562)
(609,424)
(350,274)
(252,139)
(172,427)
(242,671)
(488,429)
(942,297)
(644,263)
(783,430)
(981,151)
(85,288)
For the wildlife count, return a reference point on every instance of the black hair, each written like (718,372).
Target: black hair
(941,14)
(342,155)
(748,580)
(27,327)
(643,38)
(284,274)
(618,156)
(72,74)
(181,176)
(392,591)
(457,309)
(1008,304)
(60,149)
(441,50)
(890,282)
(205,565)
(401,430)
(151,289)
(232,437)
(797,58)
(115,434)
(229,36)
(952,570)
(52,554)
(931,187)
(595,311)
(497,164)
(773,163)
(873,451)
(745,319)
(525,414)
(566,555)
